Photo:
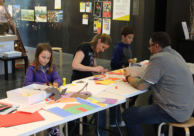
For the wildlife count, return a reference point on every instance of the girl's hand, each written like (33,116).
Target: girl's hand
(55,84)
(106,70)
(99,69)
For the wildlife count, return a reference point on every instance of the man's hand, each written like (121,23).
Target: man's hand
(126,72)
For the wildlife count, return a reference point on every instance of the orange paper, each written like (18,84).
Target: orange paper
(82,109)
(70,105)
(64,100)
(19,118)
(113,79)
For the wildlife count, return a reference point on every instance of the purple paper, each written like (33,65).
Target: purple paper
(110,101)
(95,78)
(67,95)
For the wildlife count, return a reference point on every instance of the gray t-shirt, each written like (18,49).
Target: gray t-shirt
(172,83)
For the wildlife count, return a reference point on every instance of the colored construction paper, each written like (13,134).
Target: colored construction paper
(19,118)
(82,109)
(55,91)
(70,105)
(113,79)
(88,103)
(101,104)
(33,108)
(92,100)
(74,110)
(72,85)
(96,75)
(110,101)
(60,112)
(65,100)
(106,82)
(8,110)
(98,99)
(67,95)
(75,95)
(4,105)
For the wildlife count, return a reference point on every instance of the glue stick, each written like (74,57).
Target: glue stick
(64,81)
(135,60)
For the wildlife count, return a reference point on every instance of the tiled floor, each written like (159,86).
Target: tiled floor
(16,80)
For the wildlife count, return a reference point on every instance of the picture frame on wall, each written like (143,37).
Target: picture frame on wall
(97,8)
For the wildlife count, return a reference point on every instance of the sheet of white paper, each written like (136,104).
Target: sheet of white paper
(57,4)
(185,29)
(33,108)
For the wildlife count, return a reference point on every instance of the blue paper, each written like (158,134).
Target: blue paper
(88,103)
(60,112)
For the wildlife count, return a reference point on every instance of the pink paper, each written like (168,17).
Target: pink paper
(110,101)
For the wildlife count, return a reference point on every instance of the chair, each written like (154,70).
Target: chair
(60,51)
(184,125)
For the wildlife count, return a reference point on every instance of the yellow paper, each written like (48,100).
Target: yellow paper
(72,85)
(93,101)
(102,105)
(106,82)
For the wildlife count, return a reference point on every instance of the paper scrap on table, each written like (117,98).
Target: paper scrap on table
(105,82)
(98,99)
(110,101)
(113,78)
(88,103)
(101,104)
(74,110)
(72,85)
(32,108)
(70,105)
(67,95)
(96,75)
(60,112)
(59,105)
(65,100)
(82,109)
(92,100)
(19,118)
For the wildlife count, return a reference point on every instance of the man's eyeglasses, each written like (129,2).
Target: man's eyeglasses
(151,45)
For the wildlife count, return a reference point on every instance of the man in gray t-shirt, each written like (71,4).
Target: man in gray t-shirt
(171,82)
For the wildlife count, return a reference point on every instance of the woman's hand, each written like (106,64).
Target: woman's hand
(55,84)
(100,69)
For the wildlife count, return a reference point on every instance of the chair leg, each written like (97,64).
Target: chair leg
(159,128)
(187,133)
(60,58)
(81,127)
(42,133)
(61,129)
(170,132)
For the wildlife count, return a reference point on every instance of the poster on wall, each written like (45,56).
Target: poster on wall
(27,15)
(10,10)
(55,15)
(97,8)
(97,25)
(185,29)
(121,10)
(57,4)
(89,7)
(40,14)
(16,12)
(106,26)
(82,6)
(85,19)
(107,9)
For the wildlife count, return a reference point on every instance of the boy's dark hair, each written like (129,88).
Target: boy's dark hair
(161,38)
(127,30)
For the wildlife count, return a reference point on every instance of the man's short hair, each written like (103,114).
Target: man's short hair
(127,30)
(161,38)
